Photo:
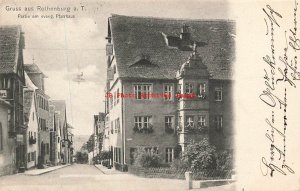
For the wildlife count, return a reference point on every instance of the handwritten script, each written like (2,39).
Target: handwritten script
(280,75)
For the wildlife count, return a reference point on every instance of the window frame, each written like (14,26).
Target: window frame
(201,120)
(142,122)
(169,154)
(188,86)
(169,122)
(188,123)
(218,122)
(218,93)
(142,91)
(201,89)
(170,91)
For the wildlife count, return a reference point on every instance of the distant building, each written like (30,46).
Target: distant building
(31,123)
(42,103)
(61,124)
(54,136)
(7,145)
(12,82)
(169,82)
(99,125)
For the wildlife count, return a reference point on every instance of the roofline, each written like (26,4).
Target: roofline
(169,18)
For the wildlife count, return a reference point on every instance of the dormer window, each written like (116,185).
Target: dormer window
(142,61)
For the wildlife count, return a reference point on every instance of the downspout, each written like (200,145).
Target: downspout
(123,126)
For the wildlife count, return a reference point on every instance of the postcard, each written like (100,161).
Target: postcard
(149,95)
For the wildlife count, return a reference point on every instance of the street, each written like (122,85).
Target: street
(81,177)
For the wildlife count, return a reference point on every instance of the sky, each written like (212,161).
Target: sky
(63,48)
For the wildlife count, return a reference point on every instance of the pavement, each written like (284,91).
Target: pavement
(83,177)
(107,171)
(36,172)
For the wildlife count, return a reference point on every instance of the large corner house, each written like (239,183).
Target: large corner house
(152,56)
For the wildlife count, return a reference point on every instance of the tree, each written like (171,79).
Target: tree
(146,159)
(82,157)
(200,155)
(90,143)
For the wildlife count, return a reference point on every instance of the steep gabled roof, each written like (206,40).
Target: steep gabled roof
(33,69)
(134,37)
(9,48)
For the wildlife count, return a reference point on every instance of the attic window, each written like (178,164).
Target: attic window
(143,61)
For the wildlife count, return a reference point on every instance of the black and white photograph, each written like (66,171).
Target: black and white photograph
(148,95)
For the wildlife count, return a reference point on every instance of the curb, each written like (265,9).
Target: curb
(99,169)
(46,171)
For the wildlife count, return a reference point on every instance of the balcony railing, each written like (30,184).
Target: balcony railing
(146,130)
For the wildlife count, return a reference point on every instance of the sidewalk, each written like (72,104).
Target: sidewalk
(107,171)
(36,172)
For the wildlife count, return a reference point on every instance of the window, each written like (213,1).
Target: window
(190,121)
(168,91)
(189,88)
(138,122)
(201,90)
(47,148)
(5,83)
(32,116)
(116,126)
(218,122)
(1,137)
(169,155)
(178,88)
(28,157)
(201,120)
(32,156)
(132,151)
(142,122)
(168,122)
(142,91)
(218,94)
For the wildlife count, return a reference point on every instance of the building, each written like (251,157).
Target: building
(31,123)
(70,138)
(54,136)
(64,136)
(42,104)
(99,125)
(12,81)
(7,144)
(169,82)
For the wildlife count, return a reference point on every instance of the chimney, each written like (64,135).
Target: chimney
(185,35)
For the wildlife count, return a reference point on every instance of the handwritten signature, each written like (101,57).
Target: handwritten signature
(280,75)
